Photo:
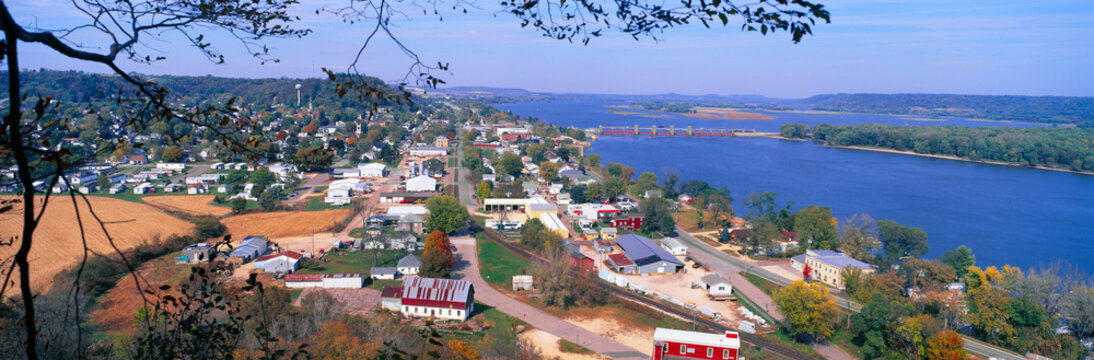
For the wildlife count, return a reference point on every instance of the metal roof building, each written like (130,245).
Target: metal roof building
(438,298)
(648,257)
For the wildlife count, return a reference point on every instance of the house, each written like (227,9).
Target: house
(441,142)
(285,262)
(117,188)
(738,235)
(591,212)
(409,265)
(374,170)
(384,273)
(603,246)
(647,257)
(679,344)
(172,188)
(391,298)
(827,266)
(345,173)
(608,233)
(653,193)
(137,159)
(554,189)
(428,151)
(522,282)
(195,253)
(628,222)
(171,166)
(590,234)
(88,187)
(197,189)
(144,188)
(421,183)
(563,199)
(716,287)
(250,248)
(674,246)
(621,264)
(438,298)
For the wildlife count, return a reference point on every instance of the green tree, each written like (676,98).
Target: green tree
(658,215)
(510,164)
(593,160)
(960,259)
(646,181)
(614,187)
(208,227)
(263,178)
(594,192)
(809,311)
(446,214)
(239,205)
(435,166)
(236,177)
(816,226)
(270,199)
(548,170)
(103,181)
(899,240)
(614,169)
(794,131)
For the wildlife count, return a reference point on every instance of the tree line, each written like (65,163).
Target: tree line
(1043,109)
(1061,148)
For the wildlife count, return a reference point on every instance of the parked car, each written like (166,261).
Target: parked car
(696,265)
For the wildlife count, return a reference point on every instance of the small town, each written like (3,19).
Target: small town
(221,179)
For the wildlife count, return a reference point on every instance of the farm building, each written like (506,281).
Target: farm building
(621,264)
(372,169)
(391,298)
(674,246)
(251,248)
(628,222)
(580,261)
(303,280)
(421,183)
(340,192)
(384,273)
(195,253)
(196,189)
(326,281)
(425,151)
(438,298)
(680,344)
(409,265)
(647,257)
(603,245)
(285,262)
(404,210)
(716,286)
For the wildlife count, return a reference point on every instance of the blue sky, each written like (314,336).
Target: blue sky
(885,46)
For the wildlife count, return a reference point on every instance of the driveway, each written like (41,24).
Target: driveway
(467,268)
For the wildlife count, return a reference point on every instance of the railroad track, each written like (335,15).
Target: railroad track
(778,350)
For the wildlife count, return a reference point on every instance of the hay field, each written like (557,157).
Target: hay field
(283,223)
(193,204)
(57,245)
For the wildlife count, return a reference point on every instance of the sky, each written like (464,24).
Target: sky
(1003,47)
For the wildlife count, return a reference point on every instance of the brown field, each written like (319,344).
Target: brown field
(193,204)
(283,223)
(114,311)
(57,243)
(729,114)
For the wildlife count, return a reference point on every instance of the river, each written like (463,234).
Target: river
(1006,215)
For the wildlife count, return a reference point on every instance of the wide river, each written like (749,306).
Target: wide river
(1006,215)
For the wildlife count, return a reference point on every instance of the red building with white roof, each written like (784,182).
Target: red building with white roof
(670,344)
(438,298)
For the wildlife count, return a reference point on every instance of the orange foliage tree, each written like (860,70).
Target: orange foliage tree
(310,128)
(946,345)
(463,350)
(336,340)
(437,259)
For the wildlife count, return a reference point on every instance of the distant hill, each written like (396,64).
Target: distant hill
(1043,109)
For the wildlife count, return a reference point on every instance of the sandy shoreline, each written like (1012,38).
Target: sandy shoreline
(947,157)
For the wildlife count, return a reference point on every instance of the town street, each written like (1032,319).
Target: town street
(467,268)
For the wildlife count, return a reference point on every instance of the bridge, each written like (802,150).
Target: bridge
(672,130)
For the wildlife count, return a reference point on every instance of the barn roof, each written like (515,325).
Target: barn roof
(642,251)
(432,292)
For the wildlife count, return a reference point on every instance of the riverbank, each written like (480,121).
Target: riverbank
(947,157)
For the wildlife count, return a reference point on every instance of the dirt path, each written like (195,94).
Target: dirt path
(467,269)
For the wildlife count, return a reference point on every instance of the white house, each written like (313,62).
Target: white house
(197,189)
(409,265)
(372,169)
(384,273)
(716,286)
(340,192)
(171,166)
(421,183)
(437,298)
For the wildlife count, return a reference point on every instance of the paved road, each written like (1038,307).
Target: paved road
(467,269)
(306,188)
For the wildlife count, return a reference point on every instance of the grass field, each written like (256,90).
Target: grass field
(767,286)
(193,204)
(57,243)
(316,203)
(283,223)
(498,265)
(570,347)
(358,262)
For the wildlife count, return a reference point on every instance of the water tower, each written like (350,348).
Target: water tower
(298,94)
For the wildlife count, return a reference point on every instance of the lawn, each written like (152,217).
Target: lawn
(451,162)
(767,286)
(358,262)
(569,347)
(380,284)
(356,233)
(497,264)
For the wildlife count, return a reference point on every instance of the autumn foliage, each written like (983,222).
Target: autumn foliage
(808,309)
(437,259)
(946,345)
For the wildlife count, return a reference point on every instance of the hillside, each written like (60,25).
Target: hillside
(1043,109)
(57,244)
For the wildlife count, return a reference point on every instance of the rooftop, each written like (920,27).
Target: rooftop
(729,339)
(837,259)
(641,250)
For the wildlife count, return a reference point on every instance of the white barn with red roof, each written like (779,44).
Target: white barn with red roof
(438,298)
(671,344)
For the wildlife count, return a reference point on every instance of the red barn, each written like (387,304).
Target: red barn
(581,261)
(629,222)
(670,344)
